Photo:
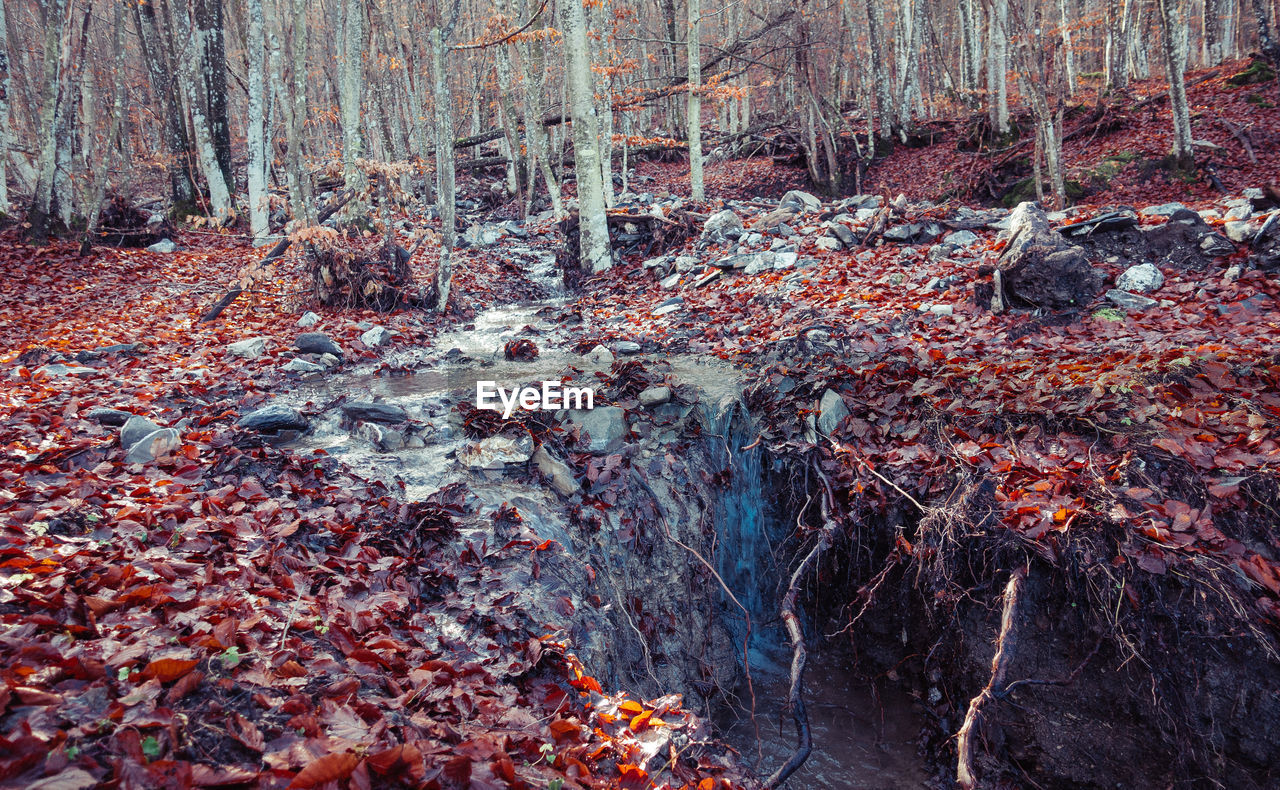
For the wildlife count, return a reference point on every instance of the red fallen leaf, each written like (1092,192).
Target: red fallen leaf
(246,732)
(183,687)
(207,776)
(398,760)
(330,768)
(33,696)
(631,707)
(291,669)
(167,670)
(565,730)
(633,777)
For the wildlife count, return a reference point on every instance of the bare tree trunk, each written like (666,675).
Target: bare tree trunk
(1068,51)
(1267,43)
(256,139)
(596,254)
(533,64)
(1173,20)
(442,101)
(299,183)
(997,66)
(880,71)
(57,49)
(5,133)
(99,181)
(189,82)
(692,46)
(213,72)
(970,47)
(350,94)
(160,74)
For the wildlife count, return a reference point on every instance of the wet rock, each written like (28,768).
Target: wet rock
(327,360)
(152,446)
(556,471)
(163,246)
(308,319)
(655,396)
(299,365)
(831,410)
(600,356)
(483,235)
(376,336)
(251,348)
(497,452)
(368,411)
(134,429)
(1133,303)
(1143,278)
(626,347)
(383,439)
(720,227)
(800,201)
(317,343)
(111,417)
(273,418)
(605,425)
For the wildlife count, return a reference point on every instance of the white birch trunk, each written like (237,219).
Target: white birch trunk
(350,93)
(256,139)
(693,47)
(443,114)
(189,81)
(5,87)
(1068,52)
(997,66)
(593,225)
(1173,22)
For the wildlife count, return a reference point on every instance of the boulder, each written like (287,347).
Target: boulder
(134,429)
(317,343)
(800,201)
(1163,210)
(721,226)
(368,411)
(251,348)
(556,471)
(308,319)
(299,365)
(961,238)
(606,427)
(831,410)
(1133,303)
(1039,268)
(1239,232)
(153,445)
(844,233)
(163,246)
(626,347)
(273,418)
(112,417)
(1104,223)
(377,336)
(1215,245)
(483,235)
(1143,278)
(600,356)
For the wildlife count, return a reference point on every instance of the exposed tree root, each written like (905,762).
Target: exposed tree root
(965,775)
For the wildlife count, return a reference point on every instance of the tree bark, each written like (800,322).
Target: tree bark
(350,93)
(693,44)
(442,102)
(57,49)
(997,66)
(596,254)
(5,134)
(213,72)
(255,133)
(1173,20)
(190,85)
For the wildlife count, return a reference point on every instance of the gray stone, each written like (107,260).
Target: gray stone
(275,417)
(844,233)
(497,452)
(606,426)
(374,412)
(112,417)
(164,246)
(961,238)
(669,306)
(252,348)
(135,428)
(1240,232)
(721,226)
(1240,212)
(1215,245)
(1133,303)
(1143,278)
(831,410)
(308,319)
(785,260)
(801,201)
(153,445)
(685,263)
(556,471)
(827,243)
(655,396)
(483,235)
(299,365)
(327,360)
(376,336)
(600,356)
(626,347)
(709,277)
(384,439)
(1163,210)
(317,343)
(671,282)
(58,369)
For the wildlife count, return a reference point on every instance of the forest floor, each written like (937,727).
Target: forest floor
(236,614)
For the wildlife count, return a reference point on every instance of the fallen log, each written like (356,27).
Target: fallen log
(276,252)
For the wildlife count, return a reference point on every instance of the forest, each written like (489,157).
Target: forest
(702,395)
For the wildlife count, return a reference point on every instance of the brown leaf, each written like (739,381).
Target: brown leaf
(330,768)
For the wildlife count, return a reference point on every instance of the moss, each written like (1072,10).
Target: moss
(1092,75)
(1026,190)
(1258,100)
(1259,71)
(1109,314)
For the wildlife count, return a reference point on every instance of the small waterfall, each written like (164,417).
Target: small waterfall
(743,551)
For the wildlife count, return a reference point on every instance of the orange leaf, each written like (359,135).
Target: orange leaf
(707,784)
(167,670)
(565,729)
(631,707)
(641,721)
(329,768)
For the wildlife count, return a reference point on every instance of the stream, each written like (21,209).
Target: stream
(863,738)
